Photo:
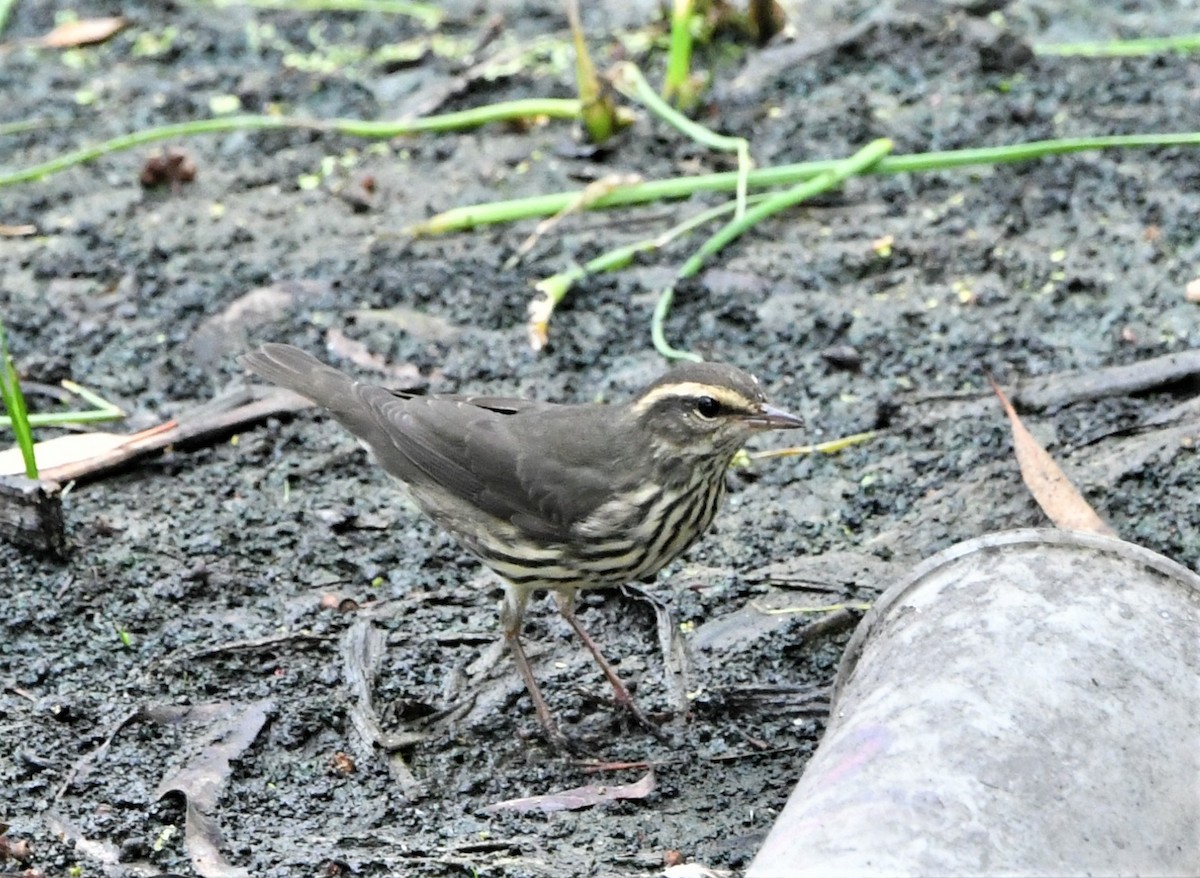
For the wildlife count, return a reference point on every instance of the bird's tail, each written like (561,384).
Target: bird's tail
(363,409)
(301,372)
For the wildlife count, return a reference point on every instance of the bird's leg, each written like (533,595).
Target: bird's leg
(566,606)
(512,614)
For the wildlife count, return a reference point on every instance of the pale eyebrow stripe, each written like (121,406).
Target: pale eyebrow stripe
(691,390)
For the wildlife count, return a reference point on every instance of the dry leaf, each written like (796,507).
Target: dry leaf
(417,323)
(579,797)
(202,780)
(21,231)
(1049,485)
(341,345)
(60,451)
(228,331)
(82,33)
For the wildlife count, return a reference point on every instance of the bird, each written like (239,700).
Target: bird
(550,496)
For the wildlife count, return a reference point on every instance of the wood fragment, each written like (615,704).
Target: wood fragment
(226,413)
(362,648)
(31,515)
(1140,377)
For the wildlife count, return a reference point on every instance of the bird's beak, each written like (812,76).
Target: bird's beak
(771,418)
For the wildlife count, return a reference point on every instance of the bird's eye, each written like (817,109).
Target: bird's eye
(707,407)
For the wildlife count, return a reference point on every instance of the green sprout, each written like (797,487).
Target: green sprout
(14,404)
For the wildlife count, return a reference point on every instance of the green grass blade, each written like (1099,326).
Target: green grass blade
(14,404)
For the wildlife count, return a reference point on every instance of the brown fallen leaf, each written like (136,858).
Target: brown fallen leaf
(579,797)
(84,32)
(202,780)
(1049,485)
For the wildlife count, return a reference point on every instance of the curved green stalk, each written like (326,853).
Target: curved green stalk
(628,80)
(858,163)
(658,333)
(553,289)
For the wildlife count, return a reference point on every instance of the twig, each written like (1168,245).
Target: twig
(251,644)
(678,670)
(362,649)
(1064,389)
(236,409)
(594,190)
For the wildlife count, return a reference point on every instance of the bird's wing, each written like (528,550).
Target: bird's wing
(539,466)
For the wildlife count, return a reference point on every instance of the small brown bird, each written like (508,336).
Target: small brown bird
(557,497)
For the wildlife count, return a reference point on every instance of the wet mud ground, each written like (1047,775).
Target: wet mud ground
(265,613)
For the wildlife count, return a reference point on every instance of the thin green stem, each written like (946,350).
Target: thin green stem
(658,333)
(463,218)
(628,80)
(858,163)
(1122,48)
(23,125)
(524,108)
(6,8)
(103,411)
(553,107)
(596,106)
(103,406)
(554,289)
(67,419)
(427,14)
(679,54)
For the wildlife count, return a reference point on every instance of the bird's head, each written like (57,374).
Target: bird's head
(706,410)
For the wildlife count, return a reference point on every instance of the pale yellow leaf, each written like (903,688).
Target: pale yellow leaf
(71,448)
(82,33)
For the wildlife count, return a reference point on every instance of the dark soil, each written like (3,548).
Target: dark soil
(211,574)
